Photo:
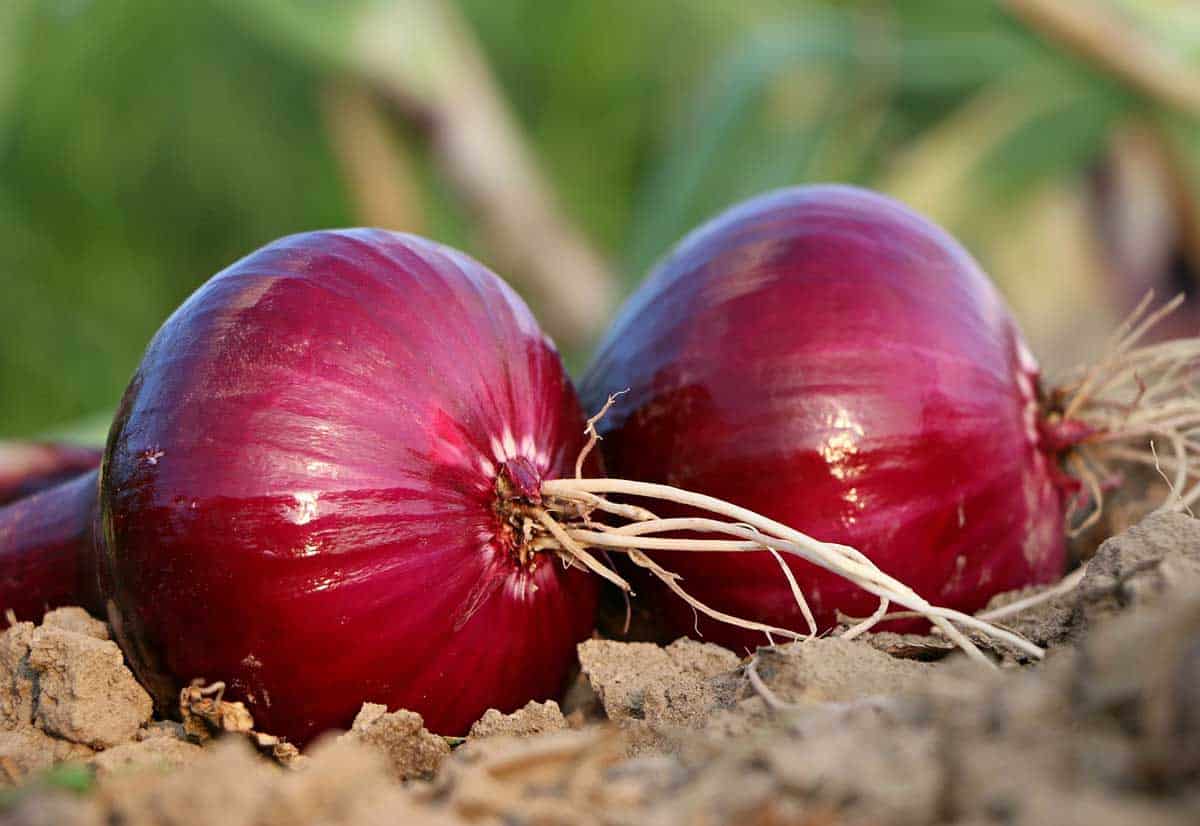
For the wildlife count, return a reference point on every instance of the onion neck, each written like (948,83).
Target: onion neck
(1138,406)
(1057,436)
(517,498)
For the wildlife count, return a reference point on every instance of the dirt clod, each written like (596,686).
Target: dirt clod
(400,736)
(641,681)
(16,677)
(534,718)
(85,692)
(1133,569)
(346,784)
(830,669)
(76,619)
(153,753)
(25,751)
(54,810)
(828,731)
(228,784)
(1142,674)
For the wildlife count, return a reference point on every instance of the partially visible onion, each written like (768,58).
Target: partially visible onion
(311,491)
(826,357)
(46,551)
(27,467)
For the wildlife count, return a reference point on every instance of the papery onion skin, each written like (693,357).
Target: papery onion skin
(298,495)
(828,358)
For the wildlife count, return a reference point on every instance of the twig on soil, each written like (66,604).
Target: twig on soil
(205,713)
(422,56)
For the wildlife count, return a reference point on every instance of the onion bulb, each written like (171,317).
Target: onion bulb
(827,358)
(308,492)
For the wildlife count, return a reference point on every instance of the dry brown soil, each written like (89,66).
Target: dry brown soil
(879,730)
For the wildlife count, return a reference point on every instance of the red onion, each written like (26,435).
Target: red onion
(27,467)
(46,557)
(827,358)
(311,489)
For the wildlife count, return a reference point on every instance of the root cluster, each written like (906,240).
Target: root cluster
(1138,405)
(577,515)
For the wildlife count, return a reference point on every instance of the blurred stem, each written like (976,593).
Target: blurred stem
(378,171)
(15,19)
(935,173)
(423,57)
(1097,33)
(867,103)
(1182,178)
(726,102)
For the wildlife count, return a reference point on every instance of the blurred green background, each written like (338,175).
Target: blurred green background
(145,145)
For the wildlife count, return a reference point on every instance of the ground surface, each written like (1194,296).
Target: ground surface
(880,730)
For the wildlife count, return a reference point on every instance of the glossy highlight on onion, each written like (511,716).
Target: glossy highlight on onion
(309,491)
(828,358)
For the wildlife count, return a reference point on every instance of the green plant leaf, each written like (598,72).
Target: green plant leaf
(717,137)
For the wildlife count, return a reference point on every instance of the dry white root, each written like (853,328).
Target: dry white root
(1140,405)
(754,533)
(568,504)
(1064,586)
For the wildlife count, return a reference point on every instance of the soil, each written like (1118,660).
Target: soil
(884,729)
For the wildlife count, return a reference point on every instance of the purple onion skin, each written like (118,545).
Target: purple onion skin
(46,549)
(299,491)
(827,357)
(28,467)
